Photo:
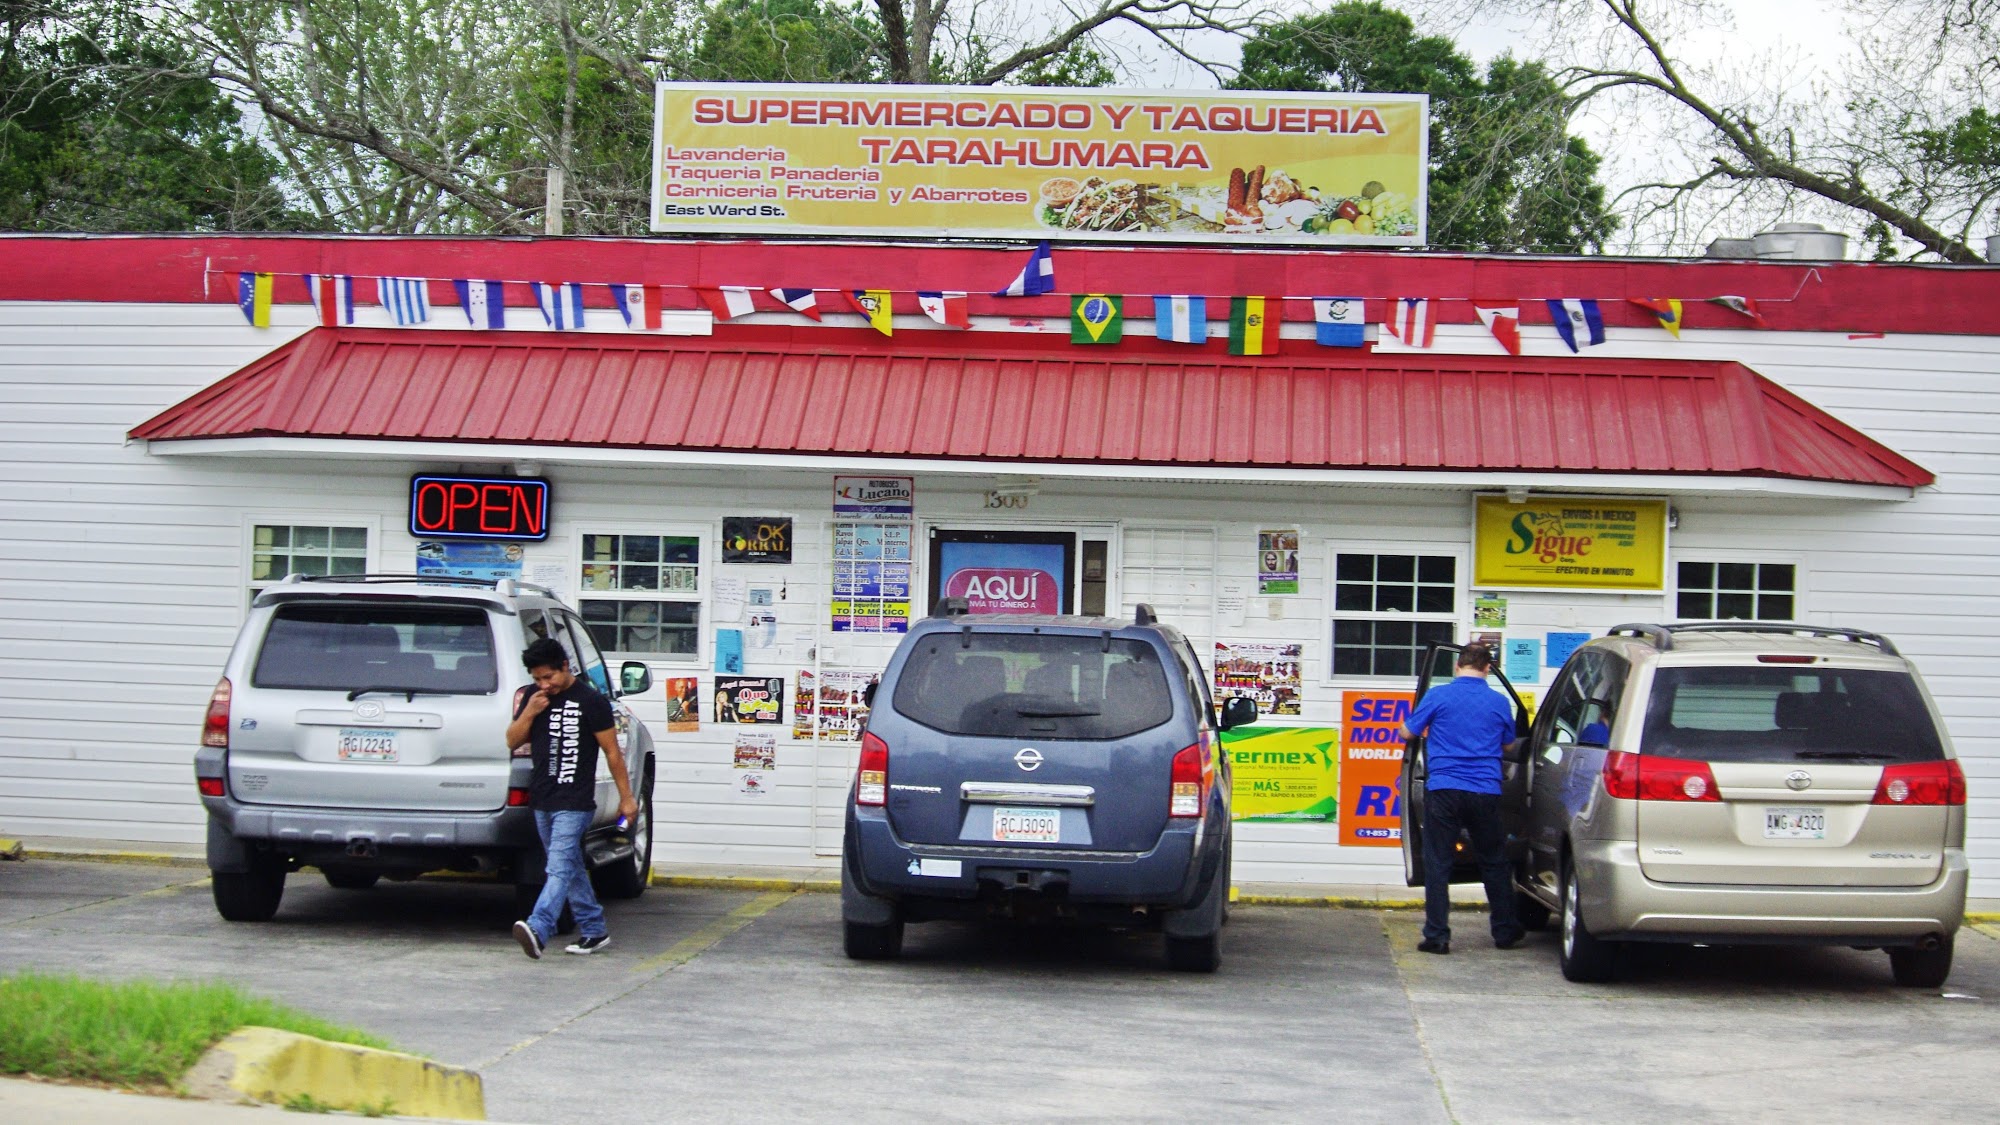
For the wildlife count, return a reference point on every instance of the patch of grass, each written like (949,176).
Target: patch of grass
(133,1033)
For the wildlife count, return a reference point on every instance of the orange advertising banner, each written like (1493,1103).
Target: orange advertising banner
(1371,767)
(1312,169)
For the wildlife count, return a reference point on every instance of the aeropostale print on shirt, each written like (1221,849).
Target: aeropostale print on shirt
(564,742)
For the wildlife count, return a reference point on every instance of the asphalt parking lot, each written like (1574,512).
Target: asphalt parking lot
(726,1005)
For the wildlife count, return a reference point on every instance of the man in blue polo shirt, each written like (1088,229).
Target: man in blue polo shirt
(1466,727)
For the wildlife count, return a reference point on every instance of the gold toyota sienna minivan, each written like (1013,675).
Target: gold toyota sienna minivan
(1731,783)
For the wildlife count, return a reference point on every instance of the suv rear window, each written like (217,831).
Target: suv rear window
(1034,685)
(447,649)
(1784,714)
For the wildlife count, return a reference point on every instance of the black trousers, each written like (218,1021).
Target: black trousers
(1446,811)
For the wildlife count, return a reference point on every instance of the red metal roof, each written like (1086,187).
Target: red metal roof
(1019,397)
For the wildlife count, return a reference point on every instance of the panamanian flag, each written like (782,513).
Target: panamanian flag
(484,302)
(1182,319)
(408,299)
(561,304)
(801,301)
(1340,322)
(334,296)
(1578,323)
(1036,278)
(947,308)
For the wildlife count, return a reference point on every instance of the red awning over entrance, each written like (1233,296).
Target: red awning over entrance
(1019,397)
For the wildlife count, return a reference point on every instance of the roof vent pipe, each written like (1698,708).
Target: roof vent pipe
(1801,242)
(1993,248)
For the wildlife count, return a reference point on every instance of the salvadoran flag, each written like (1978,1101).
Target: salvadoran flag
(1340,322)
(801,301)
(1184,320)
(638,304)
(408,299)
(1036,278)
(1505,324)
(334,295)
(727,302)
(561,304)
(947,309)
(1578,323)
(1410,321)
(253,296)
(484,302)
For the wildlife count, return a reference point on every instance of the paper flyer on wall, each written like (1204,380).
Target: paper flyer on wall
(756,759)
(683,704)
(871,578)
(836,698)
(1265,672)
(749,699)
(1277,562)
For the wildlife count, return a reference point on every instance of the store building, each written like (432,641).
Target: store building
(1314,510)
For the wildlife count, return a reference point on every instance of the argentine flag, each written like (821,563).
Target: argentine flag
(1183,320)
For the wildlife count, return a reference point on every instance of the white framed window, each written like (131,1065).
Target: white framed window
(279,545)
(1391,602)
(1736,589)
(640,591)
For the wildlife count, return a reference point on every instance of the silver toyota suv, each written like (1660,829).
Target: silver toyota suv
(1734,783)
(359,728)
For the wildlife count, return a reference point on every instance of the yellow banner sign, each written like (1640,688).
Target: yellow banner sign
(1283,773)
(1310,169)
(1570,543)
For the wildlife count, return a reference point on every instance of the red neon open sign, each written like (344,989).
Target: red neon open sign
(479,508)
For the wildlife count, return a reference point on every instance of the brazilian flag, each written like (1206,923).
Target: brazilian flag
(1096,318)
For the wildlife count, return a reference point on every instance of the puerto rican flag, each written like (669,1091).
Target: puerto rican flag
(727,302)
(801,301)
(334,294)
(947,309)
(1578,323)
(1505,324)
(561,304)
(483,301)
(1410,321)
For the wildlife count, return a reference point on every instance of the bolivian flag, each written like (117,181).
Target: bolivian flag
(1253,326)
(1096,318)
(875,304)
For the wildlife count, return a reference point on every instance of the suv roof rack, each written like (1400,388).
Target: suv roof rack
(1662,636)
(505,587)
(1142,614)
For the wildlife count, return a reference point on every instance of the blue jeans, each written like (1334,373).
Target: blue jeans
(1445,812)
(568,880)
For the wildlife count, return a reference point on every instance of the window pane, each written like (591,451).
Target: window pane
(606,636)
(1736,576)
(1776,576)
(599,576)
(1352,662)
(641,548)
(600,548)
(350,539)
(1395,662)
(680,549)
(310,538)
(1353,633)
(1434,599)
(1774,607)
(349,565)
(639,613)
(638,577)
(680,613)
(1399,634)
(1735,606)
(683,579)
(1350,596)
(268,537)
(309,564)
(1395,568)
(1433,632)
(600,611)
(1697,575)
(1697,604)
(1354,568)
(1396,598)
(1437,568)
(267,568)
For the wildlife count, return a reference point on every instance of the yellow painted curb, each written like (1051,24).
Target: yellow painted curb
(749,883)
(282,1067)
(10,849)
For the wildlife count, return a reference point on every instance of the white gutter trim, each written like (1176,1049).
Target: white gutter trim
(614,457)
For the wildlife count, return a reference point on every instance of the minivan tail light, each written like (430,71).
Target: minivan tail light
(1921,783)
(871,781)
(517,798)
(1650,777)
(1193,773)
(215,726)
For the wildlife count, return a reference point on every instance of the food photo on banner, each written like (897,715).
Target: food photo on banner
(1311,169)
(1265,672)
(1371,767)
(756,539)
(683,704)
(1277,562)
(1283,773)
(1004,571)
(749,699)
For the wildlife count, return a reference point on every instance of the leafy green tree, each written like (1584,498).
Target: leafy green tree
(1505,173)
(101,129)
(788,41)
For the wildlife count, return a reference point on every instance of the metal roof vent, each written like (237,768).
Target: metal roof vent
(1801,242)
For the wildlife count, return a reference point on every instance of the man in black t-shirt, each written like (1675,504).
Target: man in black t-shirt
(566,722)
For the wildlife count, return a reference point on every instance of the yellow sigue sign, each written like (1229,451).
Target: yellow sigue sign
(1303,169)
(1570,543)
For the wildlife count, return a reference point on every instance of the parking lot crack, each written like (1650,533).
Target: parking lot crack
(1417,1022)
(112,900)
(655,967)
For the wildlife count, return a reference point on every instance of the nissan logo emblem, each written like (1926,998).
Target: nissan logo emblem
(1028,758)
(1798,779)
(368,709)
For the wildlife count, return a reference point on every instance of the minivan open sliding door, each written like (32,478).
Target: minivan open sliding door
(1439,665)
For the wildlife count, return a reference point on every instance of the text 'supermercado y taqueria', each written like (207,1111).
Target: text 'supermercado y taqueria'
(752,465)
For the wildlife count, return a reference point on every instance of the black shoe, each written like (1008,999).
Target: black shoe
(531,942)
(589,945)
(1508,942)
(1429,946)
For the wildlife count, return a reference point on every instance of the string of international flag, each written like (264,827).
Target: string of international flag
(1254,322)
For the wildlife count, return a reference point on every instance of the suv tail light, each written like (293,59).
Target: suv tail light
(871,781)
(1649,777)
(215,727)
(1193,773)
(211,786)
(1921,783)
(517,798)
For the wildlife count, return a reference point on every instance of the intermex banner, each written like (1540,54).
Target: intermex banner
(1304,169)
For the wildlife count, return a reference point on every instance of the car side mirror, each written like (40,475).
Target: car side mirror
(1238,711)
(634,677)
